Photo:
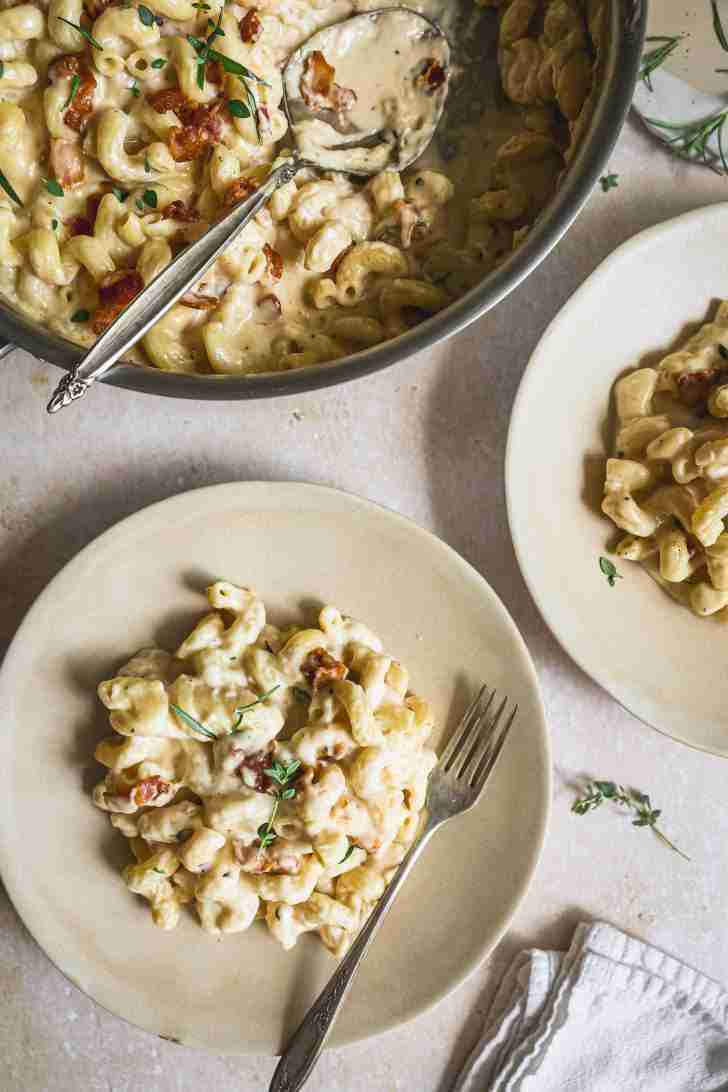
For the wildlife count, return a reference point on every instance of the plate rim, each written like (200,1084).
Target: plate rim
(647,236)
(535,851)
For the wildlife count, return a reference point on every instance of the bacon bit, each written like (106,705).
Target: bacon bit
(695,387)
(177,210)
(251,27)
(149,789)
(318,89)
(268,310)
(94,8)
(275,262)
(255,766)
(70,64)
(320,668)
(200,128)
(66,162)
(116,290)
(214,72)
(169,98)
(238,191)
(199,302)
(273,859)
(432,77)
(80,109)
(79,225)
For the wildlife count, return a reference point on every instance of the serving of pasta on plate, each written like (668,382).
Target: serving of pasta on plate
(265,772)
(127,129)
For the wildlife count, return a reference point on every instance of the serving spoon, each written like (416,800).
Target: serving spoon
(406,105)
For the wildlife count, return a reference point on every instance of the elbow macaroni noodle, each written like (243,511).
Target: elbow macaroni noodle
(332,266)
(194,771)
(667,486)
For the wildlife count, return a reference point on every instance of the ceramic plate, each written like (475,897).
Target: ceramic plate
(654,656)
(298,545)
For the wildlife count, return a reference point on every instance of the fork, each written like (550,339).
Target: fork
(456,785)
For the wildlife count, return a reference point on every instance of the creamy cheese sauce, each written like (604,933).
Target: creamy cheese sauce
(396,64)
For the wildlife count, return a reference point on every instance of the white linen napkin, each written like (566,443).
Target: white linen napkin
(612,1014)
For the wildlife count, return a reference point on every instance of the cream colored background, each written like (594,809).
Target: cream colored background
(426,438)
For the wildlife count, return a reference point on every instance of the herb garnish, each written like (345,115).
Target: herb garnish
(597,792)
(160,871)
(147,165)
(159,62)
(283,775)
(54,225)
(135,90)
(149,197)
(301,695)
(75,84)
(191,721)
(656,57)
(718,26)
(242,709)
(691,138)
(119,194)
(82,31)
(9,190)
(609,571)
(608,182)
(348,853)
(206,53)
(146,16)
(238,109)
(80,316)
(203,48)
(2,70)
(53,187)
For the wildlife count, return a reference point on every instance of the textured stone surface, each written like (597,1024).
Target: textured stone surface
(426,438)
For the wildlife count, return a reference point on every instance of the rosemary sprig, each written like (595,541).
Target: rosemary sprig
(283,775)
(205,53)
(691,138)
(10,191)
(597,792)
(654,58)
(242,709)
(82,31)
(75,84)
(718,26)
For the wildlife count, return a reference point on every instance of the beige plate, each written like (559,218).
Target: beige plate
(295,543)
(655,657)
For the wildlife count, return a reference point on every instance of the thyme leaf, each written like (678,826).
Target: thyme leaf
(242,709)
(75,84)
(188,719)
(609,570)
(10,191)
(82,31)
(599,792)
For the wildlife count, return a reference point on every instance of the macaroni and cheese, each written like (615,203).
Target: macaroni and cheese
(667,485)
(126,129)
(265,773)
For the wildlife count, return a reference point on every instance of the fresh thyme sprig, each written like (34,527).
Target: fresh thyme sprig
(205,52)
(283,776)
(610,571)
(654,58)
(718,26)
(242,709)
(691,138)
(598,792)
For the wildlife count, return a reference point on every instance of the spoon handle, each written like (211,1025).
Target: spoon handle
(164,291)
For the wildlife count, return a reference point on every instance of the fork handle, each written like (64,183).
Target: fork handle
(307,1042)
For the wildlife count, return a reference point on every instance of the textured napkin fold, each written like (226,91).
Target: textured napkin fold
(612,1014)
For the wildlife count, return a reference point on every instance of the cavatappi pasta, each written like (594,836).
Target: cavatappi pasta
(667,486)
(118,147)
(265,773)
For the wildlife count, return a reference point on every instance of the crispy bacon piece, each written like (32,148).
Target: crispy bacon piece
(318,89)
(66,162)
(252,768)
(169,98)
(203,128)
(268,310)
(94,8)
(79,225)
(275,262)
(81,107)
(238,191)
(177,210)
(695,387)
(251,27)
(432,76)
(199,302)
(116,290)
(275,858)
(320,668)
(148,790)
